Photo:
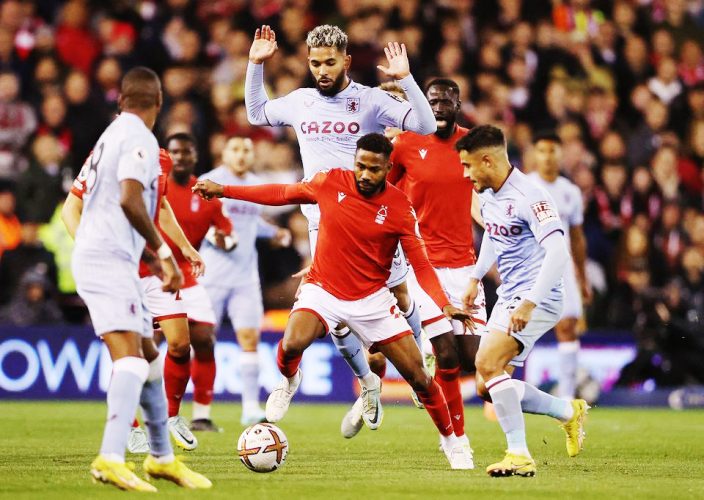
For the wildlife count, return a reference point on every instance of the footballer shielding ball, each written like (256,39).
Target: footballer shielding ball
(262,447)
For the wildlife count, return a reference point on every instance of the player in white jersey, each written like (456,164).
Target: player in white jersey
(119,205)
(568,198)
(524,236)
(328,121)
(232,278)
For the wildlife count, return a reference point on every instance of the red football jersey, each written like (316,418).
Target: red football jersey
(358,236)
(429,171)
(195,216)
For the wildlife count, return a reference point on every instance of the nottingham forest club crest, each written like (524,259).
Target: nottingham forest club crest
(352,104)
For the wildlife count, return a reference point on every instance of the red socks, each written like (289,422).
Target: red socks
(203,375)
(436,407)
(288,365)
(177,371)
(449,381)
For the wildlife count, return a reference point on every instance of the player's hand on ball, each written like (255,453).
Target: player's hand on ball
(264,45)
(520,317)
(173,279)
(399,66)
(208,189)
(197,264)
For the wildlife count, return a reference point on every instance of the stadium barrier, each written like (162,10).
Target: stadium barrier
(69,362)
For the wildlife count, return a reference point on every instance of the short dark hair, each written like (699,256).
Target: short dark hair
(181,136)
(140,88)
(482,136)
(546,135)
(375,143)
(444,82)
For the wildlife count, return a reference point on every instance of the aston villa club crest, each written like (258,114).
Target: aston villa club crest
(510,209)
(352,105)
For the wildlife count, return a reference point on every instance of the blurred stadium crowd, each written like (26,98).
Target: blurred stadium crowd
(621,81)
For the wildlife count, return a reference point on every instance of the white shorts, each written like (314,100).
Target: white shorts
(399,267)
(544,317)
(162,305)
(112,292)
(243,304)
(572,296)
(375,319)
(454,283)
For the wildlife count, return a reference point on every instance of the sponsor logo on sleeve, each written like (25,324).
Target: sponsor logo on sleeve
(544,213)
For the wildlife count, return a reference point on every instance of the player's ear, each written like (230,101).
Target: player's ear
(347,62)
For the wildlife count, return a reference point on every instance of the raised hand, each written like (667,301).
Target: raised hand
(264,45)
(398,61)
(208,189)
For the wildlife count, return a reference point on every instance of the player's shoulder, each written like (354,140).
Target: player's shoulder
(214,174)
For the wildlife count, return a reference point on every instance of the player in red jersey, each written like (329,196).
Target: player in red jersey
(166,308)
(363,218)
(198,220)
(428,170)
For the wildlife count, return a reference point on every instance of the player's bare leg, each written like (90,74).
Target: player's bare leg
(203,370)
(177,373)
(512,398)
(409,363)
(302,329)
(248,340)
(130,371)
(568,350)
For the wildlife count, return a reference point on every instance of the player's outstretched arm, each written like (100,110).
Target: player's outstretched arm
(71,213)
(264,194)
(420,119)
(170,226)
(255,99)
(134,209)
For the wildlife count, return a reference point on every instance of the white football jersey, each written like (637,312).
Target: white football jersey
(328,128)
(240,266)
(127,149)
(568,200)
(517,218)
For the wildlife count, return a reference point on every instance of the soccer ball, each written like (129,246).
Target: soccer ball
(262,447)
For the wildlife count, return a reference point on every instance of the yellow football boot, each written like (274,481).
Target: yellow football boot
(574,427)
(118,474)
(513,465)
(176,472)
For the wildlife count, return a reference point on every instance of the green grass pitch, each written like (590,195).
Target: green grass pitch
(635,454)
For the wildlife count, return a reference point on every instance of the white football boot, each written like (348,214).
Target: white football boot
(181,434)
(352,423)
(138,442)
(458,453)
(372,411)
(280,398)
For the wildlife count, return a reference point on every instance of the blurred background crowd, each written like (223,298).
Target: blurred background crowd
(621,81)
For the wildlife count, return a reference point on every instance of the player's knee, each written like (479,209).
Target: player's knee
(468,365)
(203,343)
(248,339)
(447,358)
(293,346)
(487,367)
(566,330)
(180,348)
(419,381)
(377,362)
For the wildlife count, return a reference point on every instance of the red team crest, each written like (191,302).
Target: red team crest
(352,104)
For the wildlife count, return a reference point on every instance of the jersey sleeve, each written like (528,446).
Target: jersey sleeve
(540,213)
(135,160)
(260,109)
(78,188)
(577,216)
(278,112)
(414,248)
(391,110)
(304,192)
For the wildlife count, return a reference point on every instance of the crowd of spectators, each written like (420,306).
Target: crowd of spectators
(621,81)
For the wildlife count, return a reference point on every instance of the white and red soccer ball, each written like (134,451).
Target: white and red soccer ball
(262,447)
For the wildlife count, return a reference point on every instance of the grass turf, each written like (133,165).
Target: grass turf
(635,454)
